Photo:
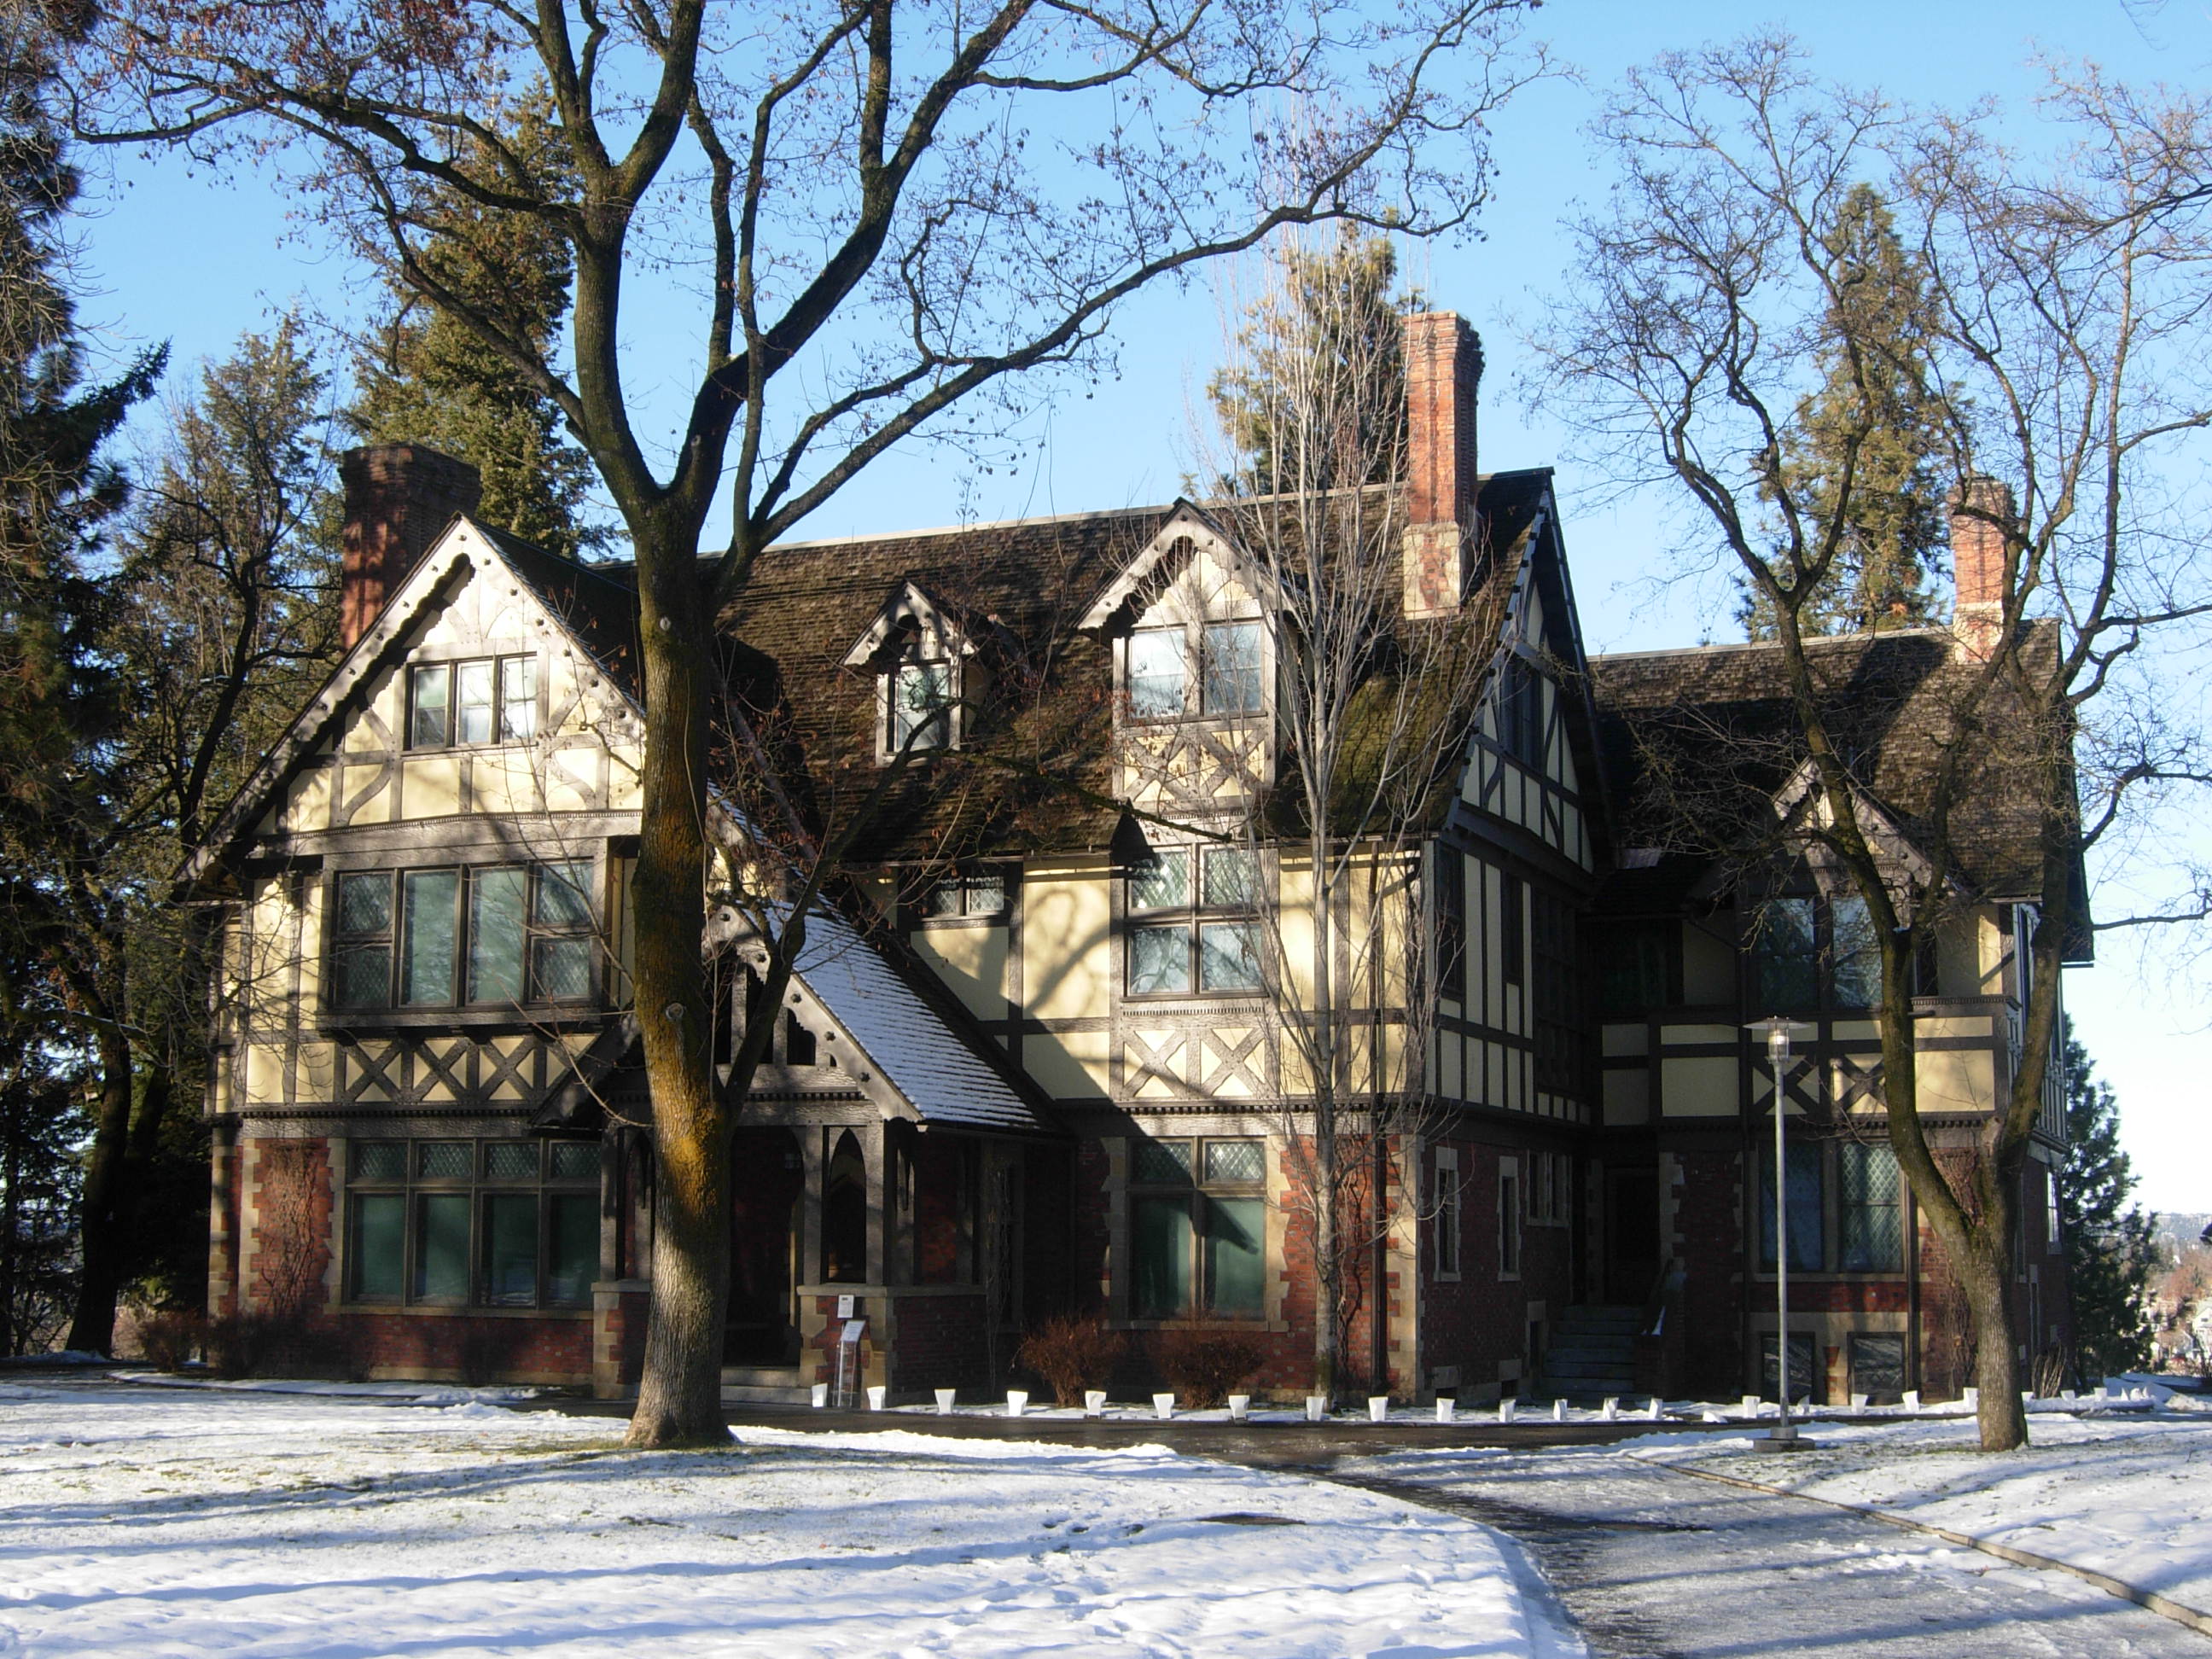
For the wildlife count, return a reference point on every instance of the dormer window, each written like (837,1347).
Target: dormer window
(1231,677)
(918,704)
(1156,673)
(488,700)
(926,671)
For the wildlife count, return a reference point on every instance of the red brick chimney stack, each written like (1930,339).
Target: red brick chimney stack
(1981,514)
(398,498)
(1444,367)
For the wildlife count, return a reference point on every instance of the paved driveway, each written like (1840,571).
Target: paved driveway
(1655,1564)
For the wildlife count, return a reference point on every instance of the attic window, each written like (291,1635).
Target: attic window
(1230,658)
(488,700)
(921,707)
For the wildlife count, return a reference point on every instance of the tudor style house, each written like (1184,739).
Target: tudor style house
(1033,1059)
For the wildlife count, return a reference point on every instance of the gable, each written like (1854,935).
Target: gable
(346,761)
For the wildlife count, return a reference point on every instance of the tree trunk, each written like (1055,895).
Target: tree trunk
(1999,1414)
(1328,1295)
(679,1399)
(108,1206)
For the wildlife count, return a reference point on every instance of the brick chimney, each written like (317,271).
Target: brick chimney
(1981,513)
(1443,367)
(398,498)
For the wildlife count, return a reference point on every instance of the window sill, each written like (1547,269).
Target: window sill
(464,1310)
(340,1024)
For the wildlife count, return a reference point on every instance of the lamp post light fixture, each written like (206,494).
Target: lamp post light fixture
(1777,1032)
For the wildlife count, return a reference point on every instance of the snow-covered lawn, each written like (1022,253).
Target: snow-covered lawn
(2130,1497)
(137,1522)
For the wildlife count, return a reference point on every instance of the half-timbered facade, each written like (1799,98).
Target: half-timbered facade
(1035,1058)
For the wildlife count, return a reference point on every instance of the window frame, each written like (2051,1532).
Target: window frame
(1828,1153)
(968,883)
(502,729)
(391,939)
(1448,1251)
(1196,1197)
(1511,1216)
(1193,918)
(1825,958)
(948,725)
(1196,658)
(547,1189)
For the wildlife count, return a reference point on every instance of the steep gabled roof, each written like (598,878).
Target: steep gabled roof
(589,605)
(916,1046)
(1699,740)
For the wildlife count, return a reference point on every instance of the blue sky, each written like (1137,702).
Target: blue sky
(181,255)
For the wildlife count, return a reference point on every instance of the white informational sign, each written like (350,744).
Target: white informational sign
(845,1307)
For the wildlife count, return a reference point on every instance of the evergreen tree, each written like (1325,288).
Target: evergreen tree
(1886,499)
(427,377)
(2109,1251)
(1329,322)
(62,701)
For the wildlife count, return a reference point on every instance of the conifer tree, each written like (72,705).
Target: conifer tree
(2110,1250)
(1864,455)
(1333,306)
(425,377)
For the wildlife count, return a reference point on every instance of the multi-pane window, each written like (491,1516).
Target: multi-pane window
(1800,1366)
(1520,713)
(1876,1359)
(1230,660)
(1807,1192)
(1557,1017)
(1191,922)
(494,1223)
(1230,677)
(1787,954)
(1863,1231)
(1198,1226)
(1512,933)
(1446,1226)
(1795,939)
(1639,967)
(485,699)
(1156,673)
(979,891)
(1868,1239)
(488,936)
(921,707)
(1451,922)
(1509,1219)
(1550,1187)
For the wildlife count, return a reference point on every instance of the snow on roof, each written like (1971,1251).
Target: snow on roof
(942,1078)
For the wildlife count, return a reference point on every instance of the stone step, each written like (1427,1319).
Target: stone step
(765,1385)
(749,1393)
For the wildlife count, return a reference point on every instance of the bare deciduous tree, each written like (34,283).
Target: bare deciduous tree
(1364,725)
(885,213)
(2065,334)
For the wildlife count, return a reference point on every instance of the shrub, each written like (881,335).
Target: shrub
(1204,1362)
(235,1343)
(169,1339)
(1070,1354)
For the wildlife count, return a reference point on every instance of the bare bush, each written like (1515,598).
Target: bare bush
(1204,1362)
(1071,1353)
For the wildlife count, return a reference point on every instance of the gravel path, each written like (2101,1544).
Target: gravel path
(1655,1564)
